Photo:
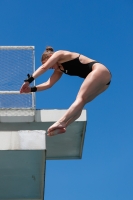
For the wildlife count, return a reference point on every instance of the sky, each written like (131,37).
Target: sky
(101,30)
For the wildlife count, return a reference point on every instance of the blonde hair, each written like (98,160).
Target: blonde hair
(48,51)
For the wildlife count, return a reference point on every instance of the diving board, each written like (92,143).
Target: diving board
(68,145)
(24,149)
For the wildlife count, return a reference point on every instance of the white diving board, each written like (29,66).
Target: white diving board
(24,149)
(63,146)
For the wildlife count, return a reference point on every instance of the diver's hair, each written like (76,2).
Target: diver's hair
(49,50)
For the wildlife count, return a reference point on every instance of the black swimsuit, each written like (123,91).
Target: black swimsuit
(76,68)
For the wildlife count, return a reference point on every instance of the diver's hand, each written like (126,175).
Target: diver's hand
(25,88)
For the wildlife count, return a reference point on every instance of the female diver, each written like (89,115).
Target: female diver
(96,80)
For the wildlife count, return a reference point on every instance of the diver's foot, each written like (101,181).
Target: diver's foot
(56,125)
(56,131)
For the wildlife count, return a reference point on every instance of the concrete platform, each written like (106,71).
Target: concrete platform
(64,146)
(22,165)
